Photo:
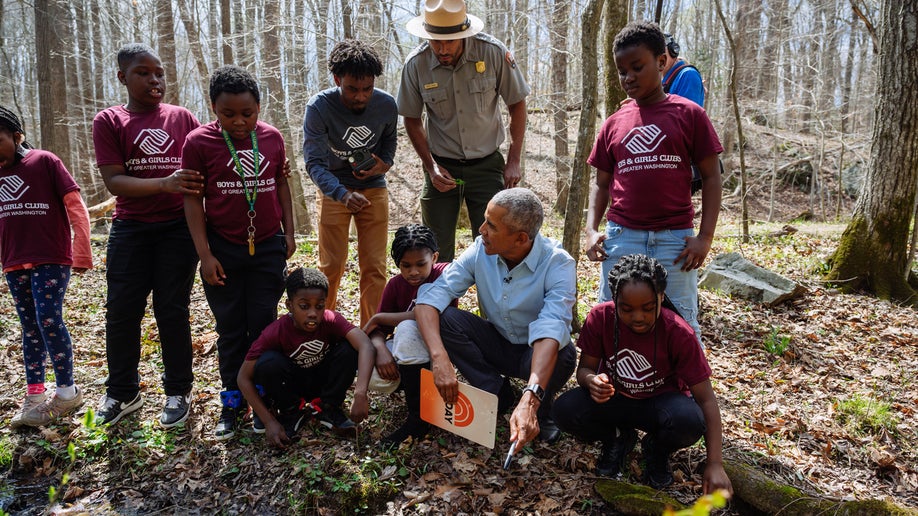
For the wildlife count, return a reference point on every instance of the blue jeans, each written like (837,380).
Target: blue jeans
(39,297)
(146,257)
(664,246)
(673,419)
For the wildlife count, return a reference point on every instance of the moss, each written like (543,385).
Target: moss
(630,499)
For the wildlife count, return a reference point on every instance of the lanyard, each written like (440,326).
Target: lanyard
(249,196)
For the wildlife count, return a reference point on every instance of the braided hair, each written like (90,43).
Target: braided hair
(12,123)
(637,268)
(410,237)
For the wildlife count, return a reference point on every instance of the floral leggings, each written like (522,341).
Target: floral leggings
(39,297)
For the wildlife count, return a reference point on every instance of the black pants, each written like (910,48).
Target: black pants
(147,257)
(247,302)
(673,419)
(484,356)
(285,382)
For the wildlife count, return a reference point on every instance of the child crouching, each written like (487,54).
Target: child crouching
(309,354)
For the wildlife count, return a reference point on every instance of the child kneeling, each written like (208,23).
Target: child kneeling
(641,368)
(309,354)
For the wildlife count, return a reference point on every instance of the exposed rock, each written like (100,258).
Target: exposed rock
(736,276)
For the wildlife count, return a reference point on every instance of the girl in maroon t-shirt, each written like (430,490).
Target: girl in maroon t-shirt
(415,252)
(639,362)
(39,204)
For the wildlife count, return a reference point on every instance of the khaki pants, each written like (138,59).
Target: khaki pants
(372,225)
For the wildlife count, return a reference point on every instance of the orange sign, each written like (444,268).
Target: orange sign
(473,415)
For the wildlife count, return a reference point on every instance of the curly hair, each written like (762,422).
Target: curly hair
(354,58)
(641,33)
(233,79)
(305,278)
(129,52)
(413,236)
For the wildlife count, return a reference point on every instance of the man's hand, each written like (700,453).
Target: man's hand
(445,380)
(379,168)
(512,175)
(524,422)
(440,178)
(184,181)
(600,388)
(695,251)
(716,478)
(355,201)
(595,251)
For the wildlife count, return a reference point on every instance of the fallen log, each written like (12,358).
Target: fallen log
(101,210)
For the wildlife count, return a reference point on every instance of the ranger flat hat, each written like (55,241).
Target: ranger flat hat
(445,20)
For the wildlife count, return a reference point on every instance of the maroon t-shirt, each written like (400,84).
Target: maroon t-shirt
(225,203)
(399,295)
(34,226)
(305,348)
(650,150)
(666,359)
(148,145)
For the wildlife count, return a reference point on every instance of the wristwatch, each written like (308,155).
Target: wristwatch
(536,390)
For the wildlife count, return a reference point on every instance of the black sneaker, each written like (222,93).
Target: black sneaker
(613,455)
(176,410)
(111,411)
(657,473)
(230,419)
(258,426)
(292,421)
(334,419)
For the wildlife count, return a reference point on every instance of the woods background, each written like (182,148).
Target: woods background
(802,65)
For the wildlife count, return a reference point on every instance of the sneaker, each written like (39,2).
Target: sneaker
(292,421)
(111,410)
(176,410)
(613,455)
(230,420)
(52,408)
(30,402)
(657,473)
(258,426)
(334,419)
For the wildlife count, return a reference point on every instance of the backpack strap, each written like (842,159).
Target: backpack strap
(673,74)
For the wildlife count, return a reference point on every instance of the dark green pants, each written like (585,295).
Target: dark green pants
(482,178)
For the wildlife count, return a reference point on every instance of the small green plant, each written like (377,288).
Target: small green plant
(6,451)
(775,343)
(866,415)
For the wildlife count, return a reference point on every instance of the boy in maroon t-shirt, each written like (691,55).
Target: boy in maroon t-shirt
(242,226)
(138,151)
(309,353)
(639,362)
(643,157)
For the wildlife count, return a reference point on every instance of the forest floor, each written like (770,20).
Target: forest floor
(820,393)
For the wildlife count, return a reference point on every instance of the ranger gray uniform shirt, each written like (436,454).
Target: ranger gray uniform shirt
(463,117)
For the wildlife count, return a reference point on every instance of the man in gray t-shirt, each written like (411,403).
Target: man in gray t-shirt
(458,75)
(349,145)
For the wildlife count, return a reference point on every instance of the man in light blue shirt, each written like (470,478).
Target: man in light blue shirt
(526,285)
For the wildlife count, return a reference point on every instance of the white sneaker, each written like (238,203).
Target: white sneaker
(53,408)
(30,403)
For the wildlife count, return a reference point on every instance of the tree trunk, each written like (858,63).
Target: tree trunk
(614,18)
(560,25)
(194,42)
(873,252)
(276,104)
(50,26)
(165,31)
(226,29)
